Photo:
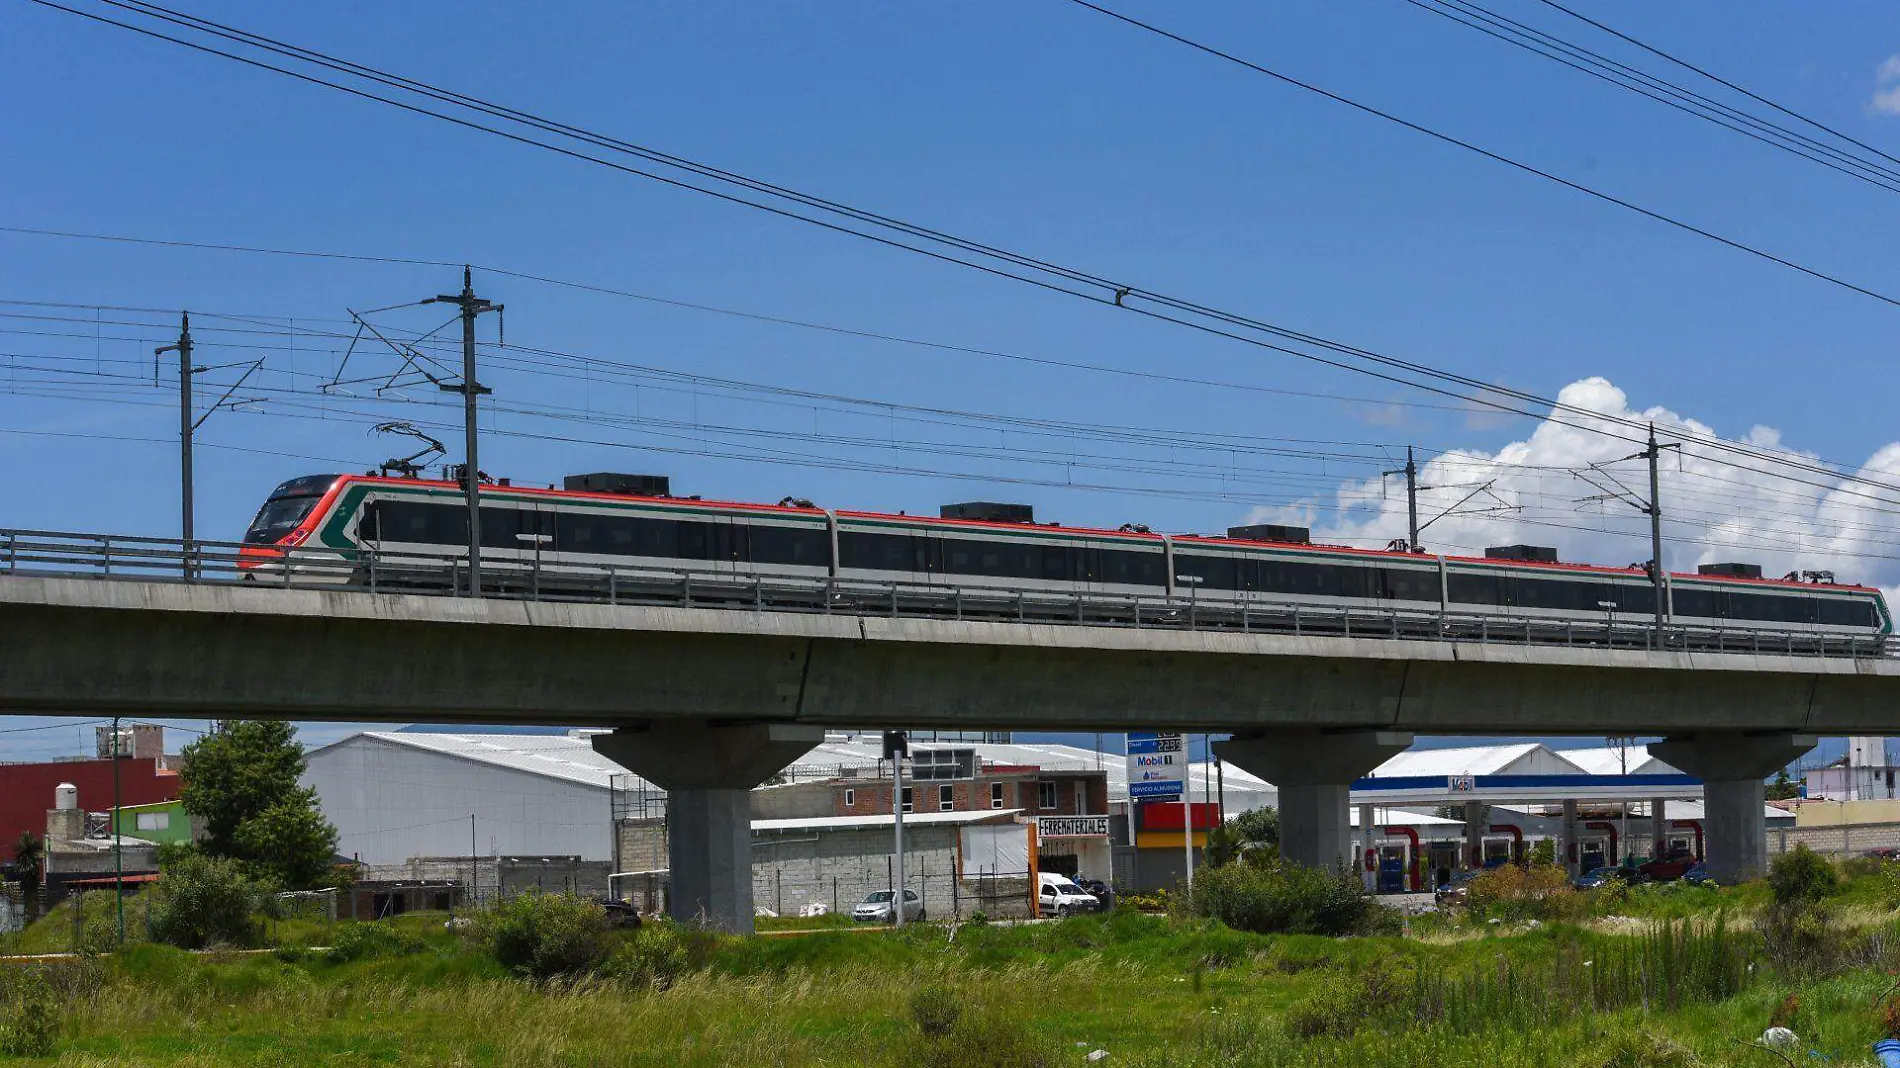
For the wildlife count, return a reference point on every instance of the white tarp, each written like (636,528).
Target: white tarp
(995,849)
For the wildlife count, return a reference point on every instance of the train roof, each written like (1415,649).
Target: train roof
(1209,540)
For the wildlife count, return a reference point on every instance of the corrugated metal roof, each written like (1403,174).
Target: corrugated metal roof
(845,823)
(1464,760)
(1605,760)
(560,756)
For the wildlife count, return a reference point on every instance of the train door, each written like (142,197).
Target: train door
(518,536)
(712,543)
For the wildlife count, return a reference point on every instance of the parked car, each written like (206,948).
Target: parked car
(1597,877)
(621,915)
(1668,867)
(876,908)
(1058,895)
(1454,891)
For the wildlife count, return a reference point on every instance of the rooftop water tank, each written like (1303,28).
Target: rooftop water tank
(65,796)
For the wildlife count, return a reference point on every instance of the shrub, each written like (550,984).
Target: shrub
(545,935)
(961,1035)
(1640,1049)
(97,928)
(654,958)
(1277,897)
(29,1018)
(1514,894)
(935,1009)
(363,941)
(1801,876)
(204,901)
(1346,1001)
(1801,939)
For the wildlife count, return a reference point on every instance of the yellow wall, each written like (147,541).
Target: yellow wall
(1836,813)
(1167,839)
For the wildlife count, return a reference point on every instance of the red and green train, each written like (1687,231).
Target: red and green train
(579,533)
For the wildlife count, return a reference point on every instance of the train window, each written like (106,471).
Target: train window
(1411,584)
(1215,572)
(1842,612)
(415,522)
(1125,567)
(863,551)
(806,546)
(1562,595)
(1061,563)
(1768,607)
(1466,588)
(514,528)
(1696,603)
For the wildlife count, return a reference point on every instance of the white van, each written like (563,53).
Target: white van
(1059,896)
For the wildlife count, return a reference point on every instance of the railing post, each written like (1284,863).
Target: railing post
(956,598)
(106,548)
(1347,615)
(894,603)
(1296,621)
(686,590)
(758,593)
(1020,617)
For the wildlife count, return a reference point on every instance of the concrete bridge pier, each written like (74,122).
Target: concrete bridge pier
(1732,767)
(708,770)
(1314,771)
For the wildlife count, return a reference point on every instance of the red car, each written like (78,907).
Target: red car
(1670,866)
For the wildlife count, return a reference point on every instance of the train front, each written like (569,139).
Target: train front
(288,518)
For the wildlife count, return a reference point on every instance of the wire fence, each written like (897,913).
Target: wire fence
(520,575)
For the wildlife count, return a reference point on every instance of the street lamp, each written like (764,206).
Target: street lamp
(1609,620)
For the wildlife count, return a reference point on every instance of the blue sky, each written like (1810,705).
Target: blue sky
(1038,126)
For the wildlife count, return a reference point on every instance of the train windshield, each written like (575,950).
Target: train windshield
(288,505)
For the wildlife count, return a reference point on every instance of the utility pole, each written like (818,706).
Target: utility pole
(1410,471)
(895,746)
(118,840)
(474,863)
(471,390)
(185,428)
(1652,452)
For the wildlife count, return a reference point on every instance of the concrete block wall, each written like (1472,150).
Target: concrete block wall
(1841,840)
(500,876)
(794,871)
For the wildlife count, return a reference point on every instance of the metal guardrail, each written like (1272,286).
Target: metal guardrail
(518,575)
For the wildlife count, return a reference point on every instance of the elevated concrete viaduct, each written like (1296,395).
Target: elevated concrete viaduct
(1308,713)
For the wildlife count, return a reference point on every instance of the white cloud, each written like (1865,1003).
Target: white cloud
(1717,511)
(1886,101)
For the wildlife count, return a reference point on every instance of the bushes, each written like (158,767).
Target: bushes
(1514,895)
(204,901)
(545,935)
(363,941)
(1282,898)
(29,1017)
(652,959)
(1346,1001)
(954,1032)
(1802,876)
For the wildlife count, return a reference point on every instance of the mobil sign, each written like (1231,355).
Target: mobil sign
(1157,765)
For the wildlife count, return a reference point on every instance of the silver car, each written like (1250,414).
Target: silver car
(876,907)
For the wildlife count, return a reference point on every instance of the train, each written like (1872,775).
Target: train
(601,522)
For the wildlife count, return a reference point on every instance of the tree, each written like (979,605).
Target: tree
(290,842)
(242,781)
(29,858)
(1783,788)
(1247,831)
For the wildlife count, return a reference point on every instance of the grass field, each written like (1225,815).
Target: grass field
(1149,990)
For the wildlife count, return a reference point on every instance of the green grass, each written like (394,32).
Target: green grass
(1153,990)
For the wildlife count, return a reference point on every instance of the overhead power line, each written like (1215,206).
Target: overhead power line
(1725,83)
(1495,157)
(1678,97)
(896,233)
